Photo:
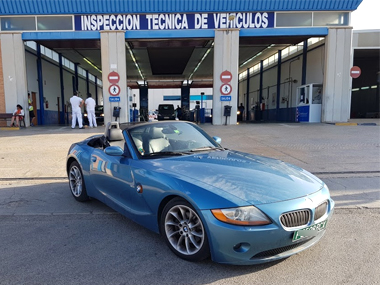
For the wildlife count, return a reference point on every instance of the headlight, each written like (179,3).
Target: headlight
(238,112)
(85,115)
(101,115)
(242,216)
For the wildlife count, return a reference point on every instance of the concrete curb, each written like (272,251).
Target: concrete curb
(353,124)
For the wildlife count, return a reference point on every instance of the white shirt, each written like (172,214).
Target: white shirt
(75,103)
(90,104)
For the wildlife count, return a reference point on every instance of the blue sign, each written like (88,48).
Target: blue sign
(171,21)
(225,98)
(115,99)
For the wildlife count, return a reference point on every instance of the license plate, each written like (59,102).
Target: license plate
(311,231)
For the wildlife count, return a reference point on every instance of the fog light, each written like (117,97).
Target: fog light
(242,247)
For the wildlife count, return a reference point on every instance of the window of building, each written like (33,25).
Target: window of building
(18,24)
(294,19)
(330,19)
(56,23)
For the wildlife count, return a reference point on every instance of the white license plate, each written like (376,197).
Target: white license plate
(313,230)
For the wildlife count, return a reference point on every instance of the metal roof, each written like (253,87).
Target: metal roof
(51,7)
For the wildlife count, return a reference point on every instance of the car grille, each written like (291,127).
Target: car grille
(295,219)
(276,251)
(320,211)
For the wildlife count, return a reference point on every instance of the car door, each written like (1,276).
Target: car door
(112,177)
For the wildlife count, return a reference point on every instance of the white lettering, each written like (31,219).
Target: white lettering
(136,22)
(129,24)
(197,21)
(93,23)
(169,21)
(185,25)
(258,20)
(113,22)
(86,23)
(106,22)
(231,20)
(177,24)
(119,22)
(149,18)
(99,21)
(265,20)
(204,21)
(216,20)
(246,20)
(239,20)
(223,21)
(161,21)
(251,21)
(155,22)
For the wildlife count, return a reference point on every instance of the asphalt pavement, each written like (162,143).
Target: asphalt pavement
(49,238)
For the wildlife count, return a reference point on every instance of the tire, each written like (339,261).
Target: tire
(76,182)
(183,231)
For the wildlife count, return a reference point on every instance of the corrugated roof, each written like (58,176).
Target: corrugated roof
(48,7)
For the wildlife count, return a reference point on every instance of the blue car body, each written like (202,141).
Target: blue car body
(209,180)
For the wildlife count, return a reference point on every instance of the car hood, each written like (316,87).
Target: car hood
(254,179)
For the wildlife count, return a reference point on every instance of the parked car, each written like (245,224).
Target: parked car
(99,116)
(166,112)
(204,199)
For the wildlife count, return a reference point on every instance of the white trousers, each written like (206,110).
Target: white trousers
(91,118)
(77,115)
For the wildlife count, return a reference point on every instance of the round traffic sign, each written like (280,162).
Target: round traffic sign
(226,89)
(114,90)
(113,77)
(355,71)
(226,76)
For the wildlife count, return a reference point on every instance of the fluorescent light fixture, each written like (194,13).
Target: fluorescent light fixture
(364,88)
(355,89)
(135,61)
(373,86)
(187,82)
(202,59)
(93,65)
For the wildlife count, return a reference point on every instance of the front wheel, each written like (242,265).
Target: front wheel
(183,231)
(76,182)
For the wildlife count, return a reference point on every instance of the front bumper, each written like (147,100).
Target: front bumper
(232,244)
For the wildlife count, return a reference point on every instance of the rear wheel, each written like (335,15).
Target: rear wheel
(76,182)
(183,231)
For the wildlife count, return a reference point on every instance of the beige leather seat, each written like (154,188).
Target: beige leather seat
(157,141)
(116,138)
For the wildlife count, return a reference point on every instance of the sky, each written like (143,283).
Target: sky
(367,16)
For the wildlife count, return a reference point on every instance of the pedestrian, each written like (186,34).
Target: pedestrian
(90,107)
(31,111)
(178,112)
(76,110)
(241,111)
(18,115)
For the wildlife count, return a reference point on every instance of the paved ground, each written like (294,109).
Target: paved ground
(319,148)
(49,238)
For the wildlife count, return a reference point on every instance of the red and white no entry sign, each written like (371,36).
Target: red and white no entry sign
(113,77)
(226,89)
(114,90)
(355,71)
(226,76)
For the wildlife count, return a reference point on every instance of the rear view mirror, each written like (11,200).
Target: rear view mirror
(217,139)
(114,151)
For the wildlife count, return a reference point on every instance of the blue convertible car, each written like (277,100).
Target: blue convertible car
(174,179)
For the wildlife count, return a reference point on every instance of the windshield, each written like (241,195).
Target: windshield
(171,138)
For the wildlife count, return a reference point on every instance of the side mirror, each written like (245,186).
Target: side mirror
(114,151)
(217,139)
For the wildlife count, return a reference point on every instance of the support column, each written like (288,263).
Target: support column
(114,59)
(185,102)
(14,73)
(226,57)
(336,83)
(60,60)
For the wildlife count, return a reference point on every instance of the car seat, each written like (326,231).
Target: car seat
(157,141)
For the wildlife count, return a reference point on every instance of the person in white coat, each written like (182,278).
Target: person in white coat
(90,107)
(76,110)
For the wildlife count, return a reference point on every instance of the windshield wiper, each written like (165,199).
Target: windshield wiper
(205,148)
(164,153)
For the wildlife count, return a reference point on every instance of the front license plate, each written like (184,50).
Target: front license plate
(310,231)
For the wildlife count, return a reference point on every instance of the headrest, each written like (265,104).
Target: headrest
(115,135)
(156,133)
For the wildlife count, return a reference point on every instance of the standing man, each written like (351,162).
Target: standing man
(90,107)
(76,110)
(31,110)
